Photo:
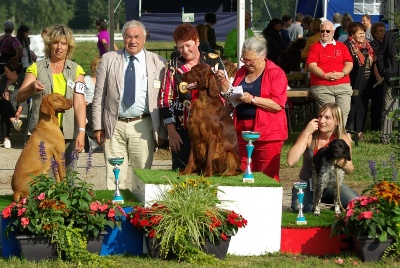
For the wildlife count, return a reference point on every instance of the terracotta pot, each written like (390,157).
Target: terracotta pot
(370,249)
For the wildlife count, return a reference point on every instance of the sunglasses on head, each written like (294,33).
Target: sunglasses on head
(327,31)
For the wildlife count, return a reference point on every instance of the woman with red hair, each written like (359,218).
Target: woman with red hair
(174,104)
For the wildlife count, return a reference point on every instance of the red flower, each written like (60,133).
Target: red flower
(111,213)
(6,212)
(21,211)
(24,222)
(223,236)
(94,206)
(152,233)
(103,207)
(41,196)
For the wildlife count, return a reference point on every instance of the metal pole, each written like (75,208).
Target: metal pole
(111,15)
(240,30)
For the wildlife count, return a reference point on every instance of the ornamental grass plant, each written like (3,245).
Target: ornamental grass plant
(182,217)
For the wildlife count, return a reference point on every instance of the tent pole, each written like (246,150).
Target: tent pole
(240,30)
(111,16)
(324,8)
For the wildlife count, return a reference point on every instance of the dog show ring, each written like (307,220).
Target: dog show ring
(250,137)
(301,220)
(116,162)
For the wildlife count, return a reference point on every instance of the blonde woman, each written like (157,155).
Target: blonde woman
(318,133)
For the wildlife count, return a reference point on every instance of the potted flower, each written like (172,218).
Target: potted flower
(373,218)
(181,219)
(54,211)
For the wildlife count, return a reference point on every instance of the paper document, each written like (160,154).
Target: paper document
(237,92)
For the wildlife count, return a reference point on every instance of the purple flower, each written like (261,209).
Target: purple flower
(42,153)
(89,160)
(372,168)
(54,166)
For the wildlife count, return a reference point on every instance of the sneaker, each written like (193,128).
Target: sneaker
(7,144)
(17,124)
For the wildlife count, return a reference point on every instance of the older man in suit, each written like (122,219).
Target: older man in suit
(125,114)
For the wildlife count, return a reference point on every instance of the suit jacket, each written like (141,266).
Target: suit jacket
(386,61)
(109,86)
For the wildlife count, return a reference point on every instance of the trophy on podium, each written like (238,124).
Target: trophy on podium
(250,137)
(116,162)
(301,220)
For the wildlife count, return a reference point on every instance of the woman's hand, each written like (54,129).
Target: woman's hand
(37,86)
(246,98)
(312,126)
(175,140)
(80,141)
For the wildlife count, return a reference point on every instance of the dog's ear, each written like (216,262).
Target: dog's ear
(347,154)
(46,107)
(212,84)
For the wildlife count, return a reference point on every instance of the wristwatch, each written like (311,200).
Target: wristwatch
(253,100)
(344,73)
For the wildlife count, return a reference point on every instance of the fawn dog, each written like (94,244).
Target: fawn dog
(214,147)
(47,139)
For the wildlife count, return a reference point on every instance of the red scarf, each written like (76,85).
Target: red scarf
(356,50)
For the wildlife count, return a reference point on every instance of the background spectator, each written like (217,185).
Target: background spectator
(10,111)
(378,30)
(276,45)
(10,47)
(230,49)
(341,32)
(330,63)
(295,29)
(315,27)
(211,19)
(366,20)
(37,44)
(103,36)
(28,56)
(363,58)
(290,59)
(202,31)
(388,67)
(337,20)
(306,26)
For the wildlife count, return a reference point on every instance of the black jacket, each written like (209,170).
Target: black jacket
(386,62)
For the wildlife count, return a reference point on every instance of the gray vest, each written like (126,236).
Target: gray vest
(46,78)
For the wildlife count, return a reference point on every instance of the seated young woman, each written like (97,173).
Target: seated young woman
(318,133)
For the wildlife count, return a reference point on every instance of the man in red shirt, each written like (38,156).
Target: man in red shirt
(330,62)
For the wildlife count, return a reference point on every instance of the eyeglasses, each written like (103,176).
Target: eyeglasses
(327,31)
(248,61)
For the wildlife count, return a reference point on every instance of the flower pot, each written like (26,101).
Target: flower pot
(154,249)
(370,249)
(94,244)
(35,248)
(219,249)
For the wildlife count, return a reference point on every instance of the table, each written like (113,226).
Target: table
(304,110)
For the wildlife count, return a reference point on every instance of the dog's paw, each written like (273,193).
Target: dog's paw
(317,211)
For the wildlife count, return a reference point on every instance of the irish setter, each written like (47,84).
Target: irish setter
(214,147)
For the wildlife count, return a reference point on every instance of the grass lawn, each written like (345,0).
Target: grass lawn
(369,149)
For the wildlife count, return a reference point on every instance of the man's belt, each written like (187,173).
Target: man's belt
(131,119)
